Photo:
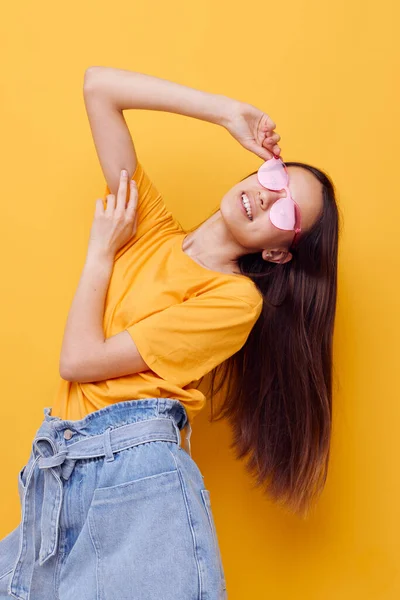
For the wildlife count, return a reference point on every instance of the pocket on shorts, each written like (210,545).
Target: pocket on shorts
(205,494)
(141,534)
(129,466)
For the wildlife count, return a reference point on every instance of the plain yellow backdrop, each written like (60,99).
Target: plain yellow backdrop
(328,75)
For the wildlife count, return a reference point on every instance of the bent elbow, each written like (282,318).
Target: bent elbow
(67,370)
(91,78)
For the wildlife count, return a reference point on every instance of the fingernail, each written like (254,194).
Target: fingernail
(124,173)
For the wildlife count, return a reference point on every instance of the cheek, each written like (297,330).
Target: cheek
(265,234)
(230,210)
(235,220)
(224,205)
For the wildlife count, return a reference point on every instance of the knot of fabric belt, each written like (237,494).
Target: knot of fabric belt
(55,465)
(52,461)
(50,457)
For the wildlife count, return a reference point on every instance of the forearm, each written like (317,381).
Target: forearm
(130,89)
(84,326)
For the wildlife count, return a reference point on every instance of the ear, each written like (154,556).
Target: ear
(277,256)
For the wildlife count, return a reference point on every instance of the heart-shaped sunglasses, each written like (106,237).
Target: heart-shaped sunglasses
(285,212)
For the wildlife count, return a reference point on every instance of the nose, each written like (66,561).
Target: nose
(262,199)
(268,197)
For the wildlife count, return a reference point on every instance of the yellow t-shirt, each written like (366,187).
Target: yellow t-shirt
(185,319)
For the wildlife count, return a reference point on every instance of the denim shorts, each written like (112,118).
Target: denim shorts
(113,508)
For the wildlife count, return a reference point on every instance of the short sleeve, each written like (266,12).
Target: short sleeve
(186,341)
(151,210)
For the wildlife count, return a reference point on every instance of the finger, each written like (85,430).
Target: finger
(122,190)
(99,208)
(134,221)
(110,199)
(269,124)
(274,148)
(271,141)
(133,201)
(273,138)
(263,153)
(267,132)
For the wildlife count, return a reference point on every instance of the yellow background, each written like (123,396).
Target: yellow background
(328,75)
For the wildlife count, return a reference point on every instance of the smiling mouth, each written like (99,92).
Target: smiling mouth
(247,206)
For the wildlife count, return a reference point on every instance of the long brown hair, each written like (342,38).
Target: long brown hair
(278,397)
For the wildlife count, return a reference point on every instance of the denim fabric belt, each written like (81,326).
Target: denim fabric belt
(57,459)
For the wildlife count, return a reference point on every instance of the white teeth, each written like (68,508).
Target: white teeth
(247,206)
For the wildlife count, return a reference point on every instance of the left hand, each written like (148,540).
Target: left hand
(254,130)
(114,226)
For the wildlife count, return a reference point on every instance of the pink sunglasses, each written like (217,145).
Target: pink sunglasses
(285,212)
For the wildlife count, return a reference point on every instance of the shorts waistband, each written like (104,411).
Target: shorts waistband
(122,413)
(67,432)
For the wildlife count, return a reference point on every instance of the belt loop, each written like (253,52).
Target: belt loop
(107,445)
(161,404)
(177,431)
(188,428)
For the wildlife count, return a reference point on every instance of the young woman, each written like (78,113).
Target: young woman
(112,505)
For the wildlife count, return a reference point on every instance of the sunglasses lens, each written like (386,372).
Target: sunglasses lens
(272,174)
(282,214)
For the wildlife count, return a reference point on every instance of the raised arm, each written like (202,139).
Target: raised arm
(109,91)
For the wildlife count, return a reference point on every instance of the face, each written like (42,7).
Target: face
(259,234)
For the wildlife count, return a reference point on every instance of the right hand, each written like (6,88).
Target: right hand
(114,226)
(253,129)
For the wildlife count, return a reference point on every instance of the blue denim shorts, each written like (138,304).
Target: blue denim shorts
(113,508)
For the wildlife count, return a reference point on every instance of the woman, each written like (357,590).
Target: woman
(112,505)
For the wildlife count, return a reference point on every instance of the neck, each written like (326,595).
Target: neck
(212,245)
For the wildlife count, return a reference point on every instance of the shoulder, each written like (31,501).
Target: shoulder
(241,290)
